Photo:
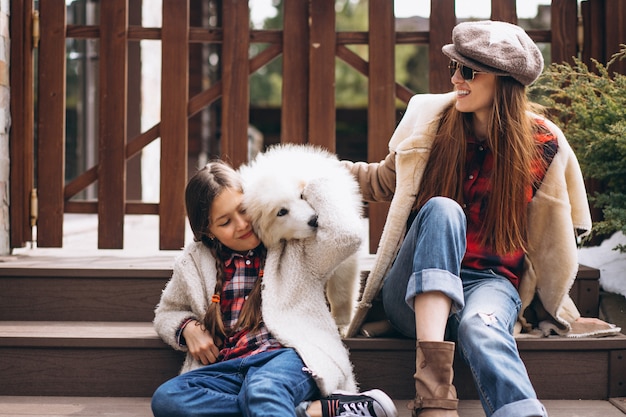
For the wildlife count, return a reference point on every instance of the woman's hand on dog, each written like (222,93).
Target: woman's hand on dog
(200,343)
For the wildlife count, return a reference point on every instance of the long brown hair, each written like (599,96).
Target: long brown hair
(511,140)
(202,189)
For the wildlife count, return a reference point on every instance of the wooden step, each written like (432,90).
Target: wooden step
(81,327)
(586,291)
(140,407)
(129,360)
(123,359)
(128,289)
(613,309)
(82,289)
(560,368)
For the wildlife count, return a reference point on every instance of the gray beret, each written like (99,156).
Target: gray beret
(498,48)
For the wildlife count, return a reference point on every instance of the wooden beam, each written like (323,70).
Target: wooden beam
(381,112)
(615,33)
(593,14)
(617,370)
(133,164)
(295,94)
(21,135)
(174,124)
(51,123)
(442,12)
(564,26)
(504,10)
(112,123)
(235,83)
(322,74)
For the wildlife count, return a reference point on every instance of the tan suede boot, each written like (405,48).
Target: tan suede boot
(435,394)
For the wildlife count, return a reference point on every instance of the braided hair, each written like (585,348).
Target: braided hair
(202,189)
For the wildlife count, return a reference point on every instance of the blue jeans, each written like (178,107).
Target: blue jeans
(265,384)
(484,307)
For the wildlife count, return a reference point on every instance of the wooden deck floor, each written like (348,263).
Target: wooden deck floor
(140,407)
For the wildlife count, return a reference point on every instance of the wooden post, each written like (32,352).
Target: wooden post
(134,107)
(442,12)
(22,124)
(615,32)
(112,123)
(381,111)
(235,71)
(295,98)
(174,125)
(593,13)
(564,30)
(504,10)
(51,123)
(322,74)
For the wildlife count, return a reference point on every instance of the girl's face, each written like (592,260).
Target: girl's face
(230,224)
(475,96)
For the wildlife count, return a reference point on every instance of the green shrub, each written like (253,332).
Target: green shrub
(590,107)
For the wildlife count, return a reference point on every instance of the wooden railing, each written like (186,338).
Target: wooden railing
(309,45)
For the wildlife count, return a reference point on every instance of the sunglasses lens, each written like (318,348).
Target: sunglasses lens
(452,66)
(467,73)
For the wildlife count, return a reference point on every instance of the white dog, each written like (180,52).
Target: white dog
(274,198)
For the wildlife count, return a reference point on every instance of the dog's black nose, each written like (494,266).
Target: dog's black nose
(313,221)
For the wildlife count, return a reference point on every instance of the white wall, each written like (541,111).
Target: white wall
(151,101)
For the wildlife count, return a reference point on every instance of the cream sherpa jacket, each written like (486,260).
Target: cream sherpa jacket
(558,212)
(294,305)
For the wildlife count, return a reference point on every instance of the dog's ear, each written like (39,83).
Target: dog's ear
(261,219)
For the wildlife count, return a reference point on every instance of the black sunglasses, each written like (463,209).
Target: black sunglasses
(466,72)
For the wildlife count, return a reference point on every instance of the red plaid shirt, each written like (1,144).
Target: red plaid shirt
(240,275)
(476,192)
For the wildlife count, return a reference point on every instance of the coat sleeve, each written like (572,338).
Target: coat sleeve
(377,180)
(183,297)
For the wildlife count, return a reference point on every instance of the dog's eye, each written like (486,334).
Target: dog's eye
(301,196)
(282,212)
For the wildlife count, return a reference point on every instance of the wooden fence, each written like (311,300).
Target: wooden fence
(309,45)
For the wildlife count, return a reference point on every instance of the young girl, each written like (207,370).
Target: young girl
(211,308)
(487,199)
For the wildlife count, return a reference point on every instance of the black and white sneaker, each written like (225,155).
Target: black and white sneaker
(373,403)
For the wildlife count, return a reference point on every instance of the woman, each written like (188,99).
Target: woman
(211,308)
(486,198)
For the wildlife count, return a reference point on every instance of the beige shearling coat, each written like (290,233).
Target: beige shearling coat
(559,213)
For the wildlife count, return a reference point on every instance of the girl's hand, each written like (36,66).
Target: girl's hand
(200,343)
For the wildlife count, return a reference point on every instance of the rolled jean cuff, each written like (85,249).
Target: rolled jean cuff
(441,280)
(522,408)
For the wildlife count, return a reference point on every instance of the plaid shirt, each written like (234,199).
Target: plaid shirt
(240,274)
(476,192)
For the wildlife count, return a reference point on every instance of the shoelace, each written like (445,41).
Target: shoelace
(355,409)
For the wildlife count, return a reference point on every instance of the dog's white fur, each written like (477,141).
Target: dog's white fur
(273,198)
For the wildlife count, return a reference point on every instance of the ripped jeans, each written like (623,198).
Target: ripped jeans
(484,307)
